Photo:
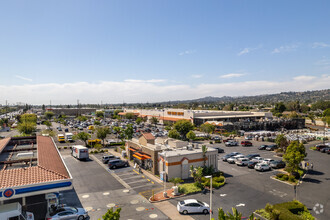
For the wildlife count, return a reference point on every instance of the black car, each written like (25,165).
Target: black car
(321,146)
(325,150)
(277,164)
(251,164)
(271,147)
(107,158)
(113,164)
(224,158)
(262,147)
(220,150)
(251,156)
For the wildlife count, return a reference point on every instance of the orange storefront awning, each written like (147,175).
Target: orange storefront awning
(131,149)
(136,156)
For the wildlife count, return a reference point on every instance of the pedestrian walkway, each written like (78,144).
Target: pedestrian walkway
(170,210)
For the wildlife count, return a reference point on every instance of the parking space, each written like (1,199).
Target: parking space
(97,189)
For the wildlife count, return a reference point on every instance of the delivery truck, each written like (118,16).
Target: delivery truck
(14,211)
(80,152)
(68,137)
(60,138)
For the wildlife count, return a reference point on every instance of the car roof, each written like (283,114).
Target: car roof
(187,201)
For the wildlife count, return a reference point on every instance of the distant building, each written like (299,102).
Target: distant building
(72,111)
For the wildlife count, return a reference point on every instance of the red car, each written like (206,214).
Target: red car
(246,143)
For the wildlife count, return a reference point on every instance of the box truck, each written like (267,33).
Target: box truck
(60,138)
(80,152)
(68,137)
(14,211)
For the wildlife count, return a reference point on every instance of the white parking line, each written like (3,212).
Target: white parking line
(133,177)
(146,184)
(138,181)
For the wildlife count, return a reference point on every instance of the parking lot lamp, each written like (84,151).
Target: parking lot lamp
(210,177)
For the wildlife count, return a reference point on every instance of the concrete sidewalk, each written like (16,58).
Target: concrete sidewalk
(170,210)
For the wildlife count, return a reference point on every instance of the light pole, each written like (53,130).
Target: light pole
(210,177)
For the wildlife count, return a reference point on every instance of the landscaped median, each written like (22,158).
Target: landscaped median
(293,210)
(289,178)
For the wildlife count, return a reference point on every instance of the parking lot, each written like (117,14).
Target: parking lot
(98,189)
(249,190)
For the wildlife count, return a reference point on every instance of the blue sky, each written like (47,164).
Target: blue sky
(157,50)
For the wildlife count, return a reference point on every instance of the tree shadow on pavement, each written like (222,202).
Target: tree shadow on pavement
(314,172)
(311,180)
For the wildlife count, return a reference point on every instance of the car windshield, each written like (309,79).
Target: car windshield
(201,203)
(73,209)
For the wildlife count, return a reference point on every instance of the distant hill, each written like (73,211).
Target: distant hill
(308,96)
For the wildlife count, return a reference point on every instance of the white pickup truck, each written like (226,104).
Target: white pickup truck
(14,211)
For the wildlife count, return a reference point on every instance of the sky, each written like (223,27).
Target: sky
(115,51)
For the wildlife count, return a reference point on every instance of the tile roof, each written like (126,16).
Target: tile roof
(148,136)
(50,167)
(3,143)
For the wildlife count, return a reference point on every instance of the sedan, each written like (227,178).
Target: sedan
(258,159)
(262,167)
(192,206)
(220,150)
(321,146)
(242,161)
(227,156)
(277,164)
(267,161)
(67,212)
(235,158)
(231,143)
(251,156)
(325,150)
(251,164)
(262,147)
(271,147)
(113,164)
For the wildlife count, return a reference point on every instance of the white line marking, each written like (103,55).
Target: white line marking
(241,204)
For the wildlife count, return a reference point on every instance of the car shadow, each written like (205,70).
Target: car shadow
(311,180)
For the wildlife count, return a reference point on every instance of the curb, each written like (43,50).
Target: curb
(273,177)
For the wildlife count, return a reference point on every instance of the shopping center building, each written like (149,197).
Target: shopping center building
(31,169)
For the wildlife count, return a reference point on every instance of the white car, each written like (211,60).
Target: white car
(258,159)
(262,167)
(67,212)
(267,161)
(231,143)
(192,206)
(235,158)
(242,161)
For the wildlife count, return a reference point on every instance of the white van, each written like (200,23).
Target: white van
(80,152)
(14,211)
(68,137)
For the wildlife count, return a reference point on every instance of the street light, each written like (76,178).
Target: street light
(210,177)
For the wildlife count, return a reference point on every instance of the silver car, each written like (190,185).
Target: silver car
(68,212)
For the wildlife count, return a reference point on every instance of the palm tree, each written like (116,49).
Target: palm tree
(204,150)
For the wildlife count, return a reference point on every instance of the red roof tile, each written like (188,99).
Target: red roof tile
(3,143)
(148,136)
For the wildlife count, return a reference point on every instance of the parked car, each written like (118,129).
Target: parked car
(192,206)
(262,147)
(324,150)
(227,156)
(246,143)
(68,212)
(258,159)
(321,146)
(231,143)
(251,156)
(220,150)
(228,139)
(113,164)
(106,158)
(271,147)
(327,151)
(249,137)
(277,164)
(235,158)
(251,164)
(267,161)
(262,167)
(242,161)
(66,130)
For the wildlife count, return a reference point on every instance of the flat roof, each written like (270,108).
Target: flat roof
(43,163)
(229,116)
(183,151)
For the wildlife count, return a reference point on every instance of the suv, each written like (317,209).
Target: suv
(271,147)
(246,143)
(251,156)
(107,158)
(231,143)
(320,146)
(113,164)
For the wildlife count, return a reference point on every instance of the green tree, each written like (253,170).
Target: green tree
(82,118)
(229,107)
(197,174)
(129,115)
(204,150)
(183,127)
(82,136)
(26,127)
(102,133)
(295,153)
(111,215)
(207,128)
(97,122)
(129,132)
(47,123)
(138,120)
(293,114)
(190,135)
(28,118)
(49,115)
(176,180)
(99,114)
(282,142)
(322,105)
(311,116)
(326,112)
(154,121)
(279,107)
(174,134)
(293,106)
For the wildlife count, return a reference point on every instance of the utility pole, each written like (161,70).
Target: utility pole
(77,107)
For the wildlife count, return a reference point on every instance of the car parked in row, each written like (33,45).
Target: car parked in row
(262,147)
(251,164)
(242,161)
(262,167)
(271,147)
(277,164)
(235,158)
(251,156)
(319,147)
(68,212)
(107,158)
(231,143)
(192,206)
(325,150)
(246,143)
(220,150)
(227,156)
(113,164)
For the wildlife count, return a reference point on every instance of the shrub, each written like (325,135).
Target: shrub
(292,179)
(106,150)
(275,214)
(189,188)
(211,142)
(263,213)
(65,147)
(280,175)
(59,148)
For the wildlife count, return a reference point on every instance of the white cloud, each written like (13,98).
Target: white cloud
(132,92)
(320,45)
(231,75)
(23,78)
(323,62)
(196,76)
(248,50)
(187,52)
(285,48)
(145,81)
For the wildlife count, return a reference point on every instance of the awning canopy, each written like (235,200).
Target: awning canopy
(131,149)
